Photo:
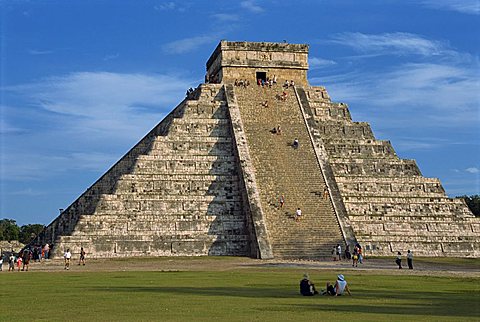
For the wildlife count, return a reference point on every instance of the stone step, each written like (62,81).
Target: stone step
(282,170)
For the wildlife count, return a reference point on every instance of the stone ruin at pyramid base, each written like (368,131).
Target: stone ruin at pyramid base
(208,179)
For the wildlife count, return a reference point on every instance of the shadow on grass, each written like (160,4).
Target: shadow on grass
(407,310)
(208,291)
(417,302)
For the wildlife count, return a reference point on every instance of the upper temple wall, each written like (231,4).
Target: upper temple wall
(243,60)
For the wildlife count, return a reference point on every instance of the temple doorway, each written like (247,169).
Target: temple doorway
(261,75)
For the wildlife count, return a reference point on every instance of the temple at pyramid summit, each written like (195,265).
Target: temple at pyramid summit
(221,175)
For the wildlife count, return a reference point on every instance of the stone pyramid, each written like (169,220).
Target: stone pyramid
(208,179)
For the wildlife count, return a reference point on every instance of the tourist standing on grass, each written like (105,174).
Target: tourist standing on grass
(398,260)
(11,263)
(307,288)
(410,259)
(26,259)
(67,256)
(1,263)
(82,257)
(348,255)
(339,288)
(46,250)
(355,257)
(360,253)
(19,262)
(339,252)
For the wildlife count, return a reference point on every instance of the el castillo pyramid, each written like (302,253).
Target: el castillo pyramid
(208,178)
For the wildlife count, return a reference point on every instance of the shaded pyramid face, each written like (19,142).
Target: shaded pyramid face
(208,179)
(175,193)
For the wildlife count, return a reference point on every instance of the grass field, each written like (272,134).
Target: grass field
(233,294)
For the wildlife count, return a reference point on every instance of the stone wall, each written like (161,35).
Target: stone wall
(205,180)
(390,205)
(241,60)
(176,193)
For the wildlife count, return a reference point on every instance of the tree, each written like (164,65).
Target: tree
(9,230)
(28,232)
(473,202)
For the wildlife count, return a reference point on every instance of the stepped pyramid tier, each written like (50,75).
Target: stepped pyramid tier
(177,192)
(390,205)
(208,179)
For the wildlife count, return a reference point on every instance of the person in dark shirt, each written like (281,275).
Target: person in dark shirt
(307,288)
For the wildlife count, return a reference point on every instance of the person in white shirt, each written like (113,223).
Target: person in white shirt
(298,214)
(339,288)
(66,256)
(410,259)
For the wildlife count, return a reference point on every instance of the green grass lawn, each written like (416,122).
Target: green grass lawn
(243,294)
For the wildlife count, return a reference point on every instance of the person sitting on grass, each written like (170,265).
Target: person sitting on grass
(339,288)
(307,288)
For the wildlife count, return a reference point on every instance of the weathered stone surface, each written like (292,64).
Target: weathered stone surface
(176,193)
(391,206)
(207,179)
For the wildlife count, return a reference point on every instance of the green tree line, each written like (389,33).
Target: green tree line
(9,230)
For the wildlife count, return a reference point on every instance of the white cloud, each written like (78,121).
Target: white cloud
(472,170)
(7,127)
(36,52)
(186,45)
(251,6)
(98,94)
(317,62)
(165,6)
(397,43)
(438,92)
(83,121)
(462,6)
(225,17)
(407,145)
(111,57)
(29,192)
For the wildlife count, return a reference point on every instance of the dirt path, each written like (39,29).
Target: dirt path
(422,266)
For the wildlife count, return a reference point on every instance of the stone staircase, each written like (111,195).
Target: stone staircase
(176,192)
(282,170)
(391,206)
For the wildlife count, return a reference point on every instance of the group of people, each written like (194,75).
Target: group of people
(398,259)
(339,288)
(269,82)
(243,83)
(276,130)
(21,261)
(67,256)
(356,256)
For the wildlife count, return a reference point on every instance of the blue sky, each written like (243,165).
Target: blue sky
(82,81)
